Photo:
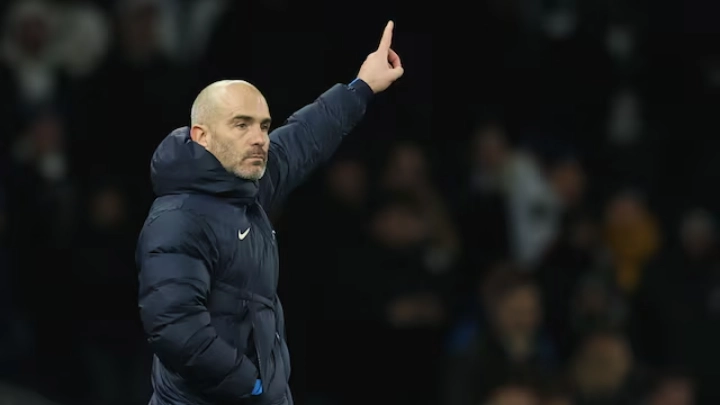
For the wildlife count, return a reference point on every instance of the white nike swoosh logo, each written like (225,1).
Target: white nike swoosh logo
(242,235)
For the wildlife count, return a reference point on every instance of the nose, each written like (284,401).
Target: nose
(258,136)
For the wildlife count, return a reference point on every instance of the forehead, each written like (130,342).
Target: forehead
(242,100)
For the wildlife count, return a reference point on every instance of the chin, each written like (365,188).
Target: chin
(250,173)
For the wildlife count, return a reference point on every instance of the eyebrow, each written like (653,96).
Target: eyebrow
(249,118)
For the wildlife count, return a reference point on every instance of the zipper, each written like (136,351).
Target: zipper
(266,223)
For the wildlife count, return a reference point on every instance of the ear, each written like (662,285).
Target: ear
(199,133)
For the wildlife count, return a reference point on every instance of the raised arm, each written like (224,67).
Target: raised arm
(312,134)
(310,137)
(174,256)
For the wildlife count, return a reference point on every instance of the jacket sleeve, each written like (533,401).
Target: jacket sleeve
(175,257)
(310,137)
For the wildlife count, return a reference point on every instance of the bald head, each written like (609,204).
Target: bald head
(214,98)
(231,120)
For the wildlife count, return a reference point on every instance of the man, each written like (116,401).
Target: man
(207,253)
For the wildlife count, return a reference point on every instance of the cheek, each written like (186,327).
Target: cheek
(225,149)
(228,145)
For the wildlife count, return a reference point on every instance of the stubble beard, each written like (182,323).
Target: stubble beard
(234,163)
(252,173)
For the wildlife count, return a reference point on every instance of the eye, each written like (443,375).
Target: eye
(242,125)
(266,127)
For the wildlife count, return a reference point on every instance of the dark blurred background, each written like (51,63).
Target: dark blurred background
(528,217)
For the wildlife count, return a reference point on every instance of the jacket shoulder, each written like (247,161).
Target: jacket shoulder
(173,227)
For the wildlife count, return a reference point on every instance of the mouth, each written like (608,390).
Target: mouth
(258,157)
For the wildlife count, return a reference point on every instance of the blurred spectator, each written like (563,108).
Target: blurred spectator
(347,183)
(604,371)
(136,92)
(568,181)
(484,205)
(621,42)
(85,33)
(400,234)
(41,161)
(140,31)
(411,303)
(345,210)
(596,304)
(511,192)
(408,173)
(672,389)
(513,395)
(109,333)
(29,50)
(43,200)
(188,26)
(677,312)
(30,75)
(632,236)
(534,209)
(406,169)
(512,345)
(330,251)
(572,254)
(625,124)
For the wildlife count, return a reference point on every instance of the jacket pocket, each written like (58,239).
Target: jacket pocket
(262,340)
(270,357)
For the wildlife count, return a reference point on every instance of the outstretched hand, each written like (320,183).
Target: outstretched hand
(382,67)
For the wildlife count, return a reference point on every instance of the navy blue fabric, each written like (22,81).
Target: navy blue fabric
(208,260)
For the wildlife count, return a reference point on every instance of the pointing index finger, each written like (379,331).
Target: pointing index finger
(386,40)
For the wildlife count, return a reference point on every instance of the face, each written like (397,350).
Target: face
(568,182)
(238,133)
(513,396)
(674,392)
(47,135)
(489,148)
(406,169)
(603,365)
(139,28)
(348,181)
(697,234)
(518,313)
(32,33)
(108,207)
(398,227)
(624,210)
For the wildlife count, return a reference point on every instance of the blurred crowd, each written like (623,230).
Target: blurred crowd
(561,250)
